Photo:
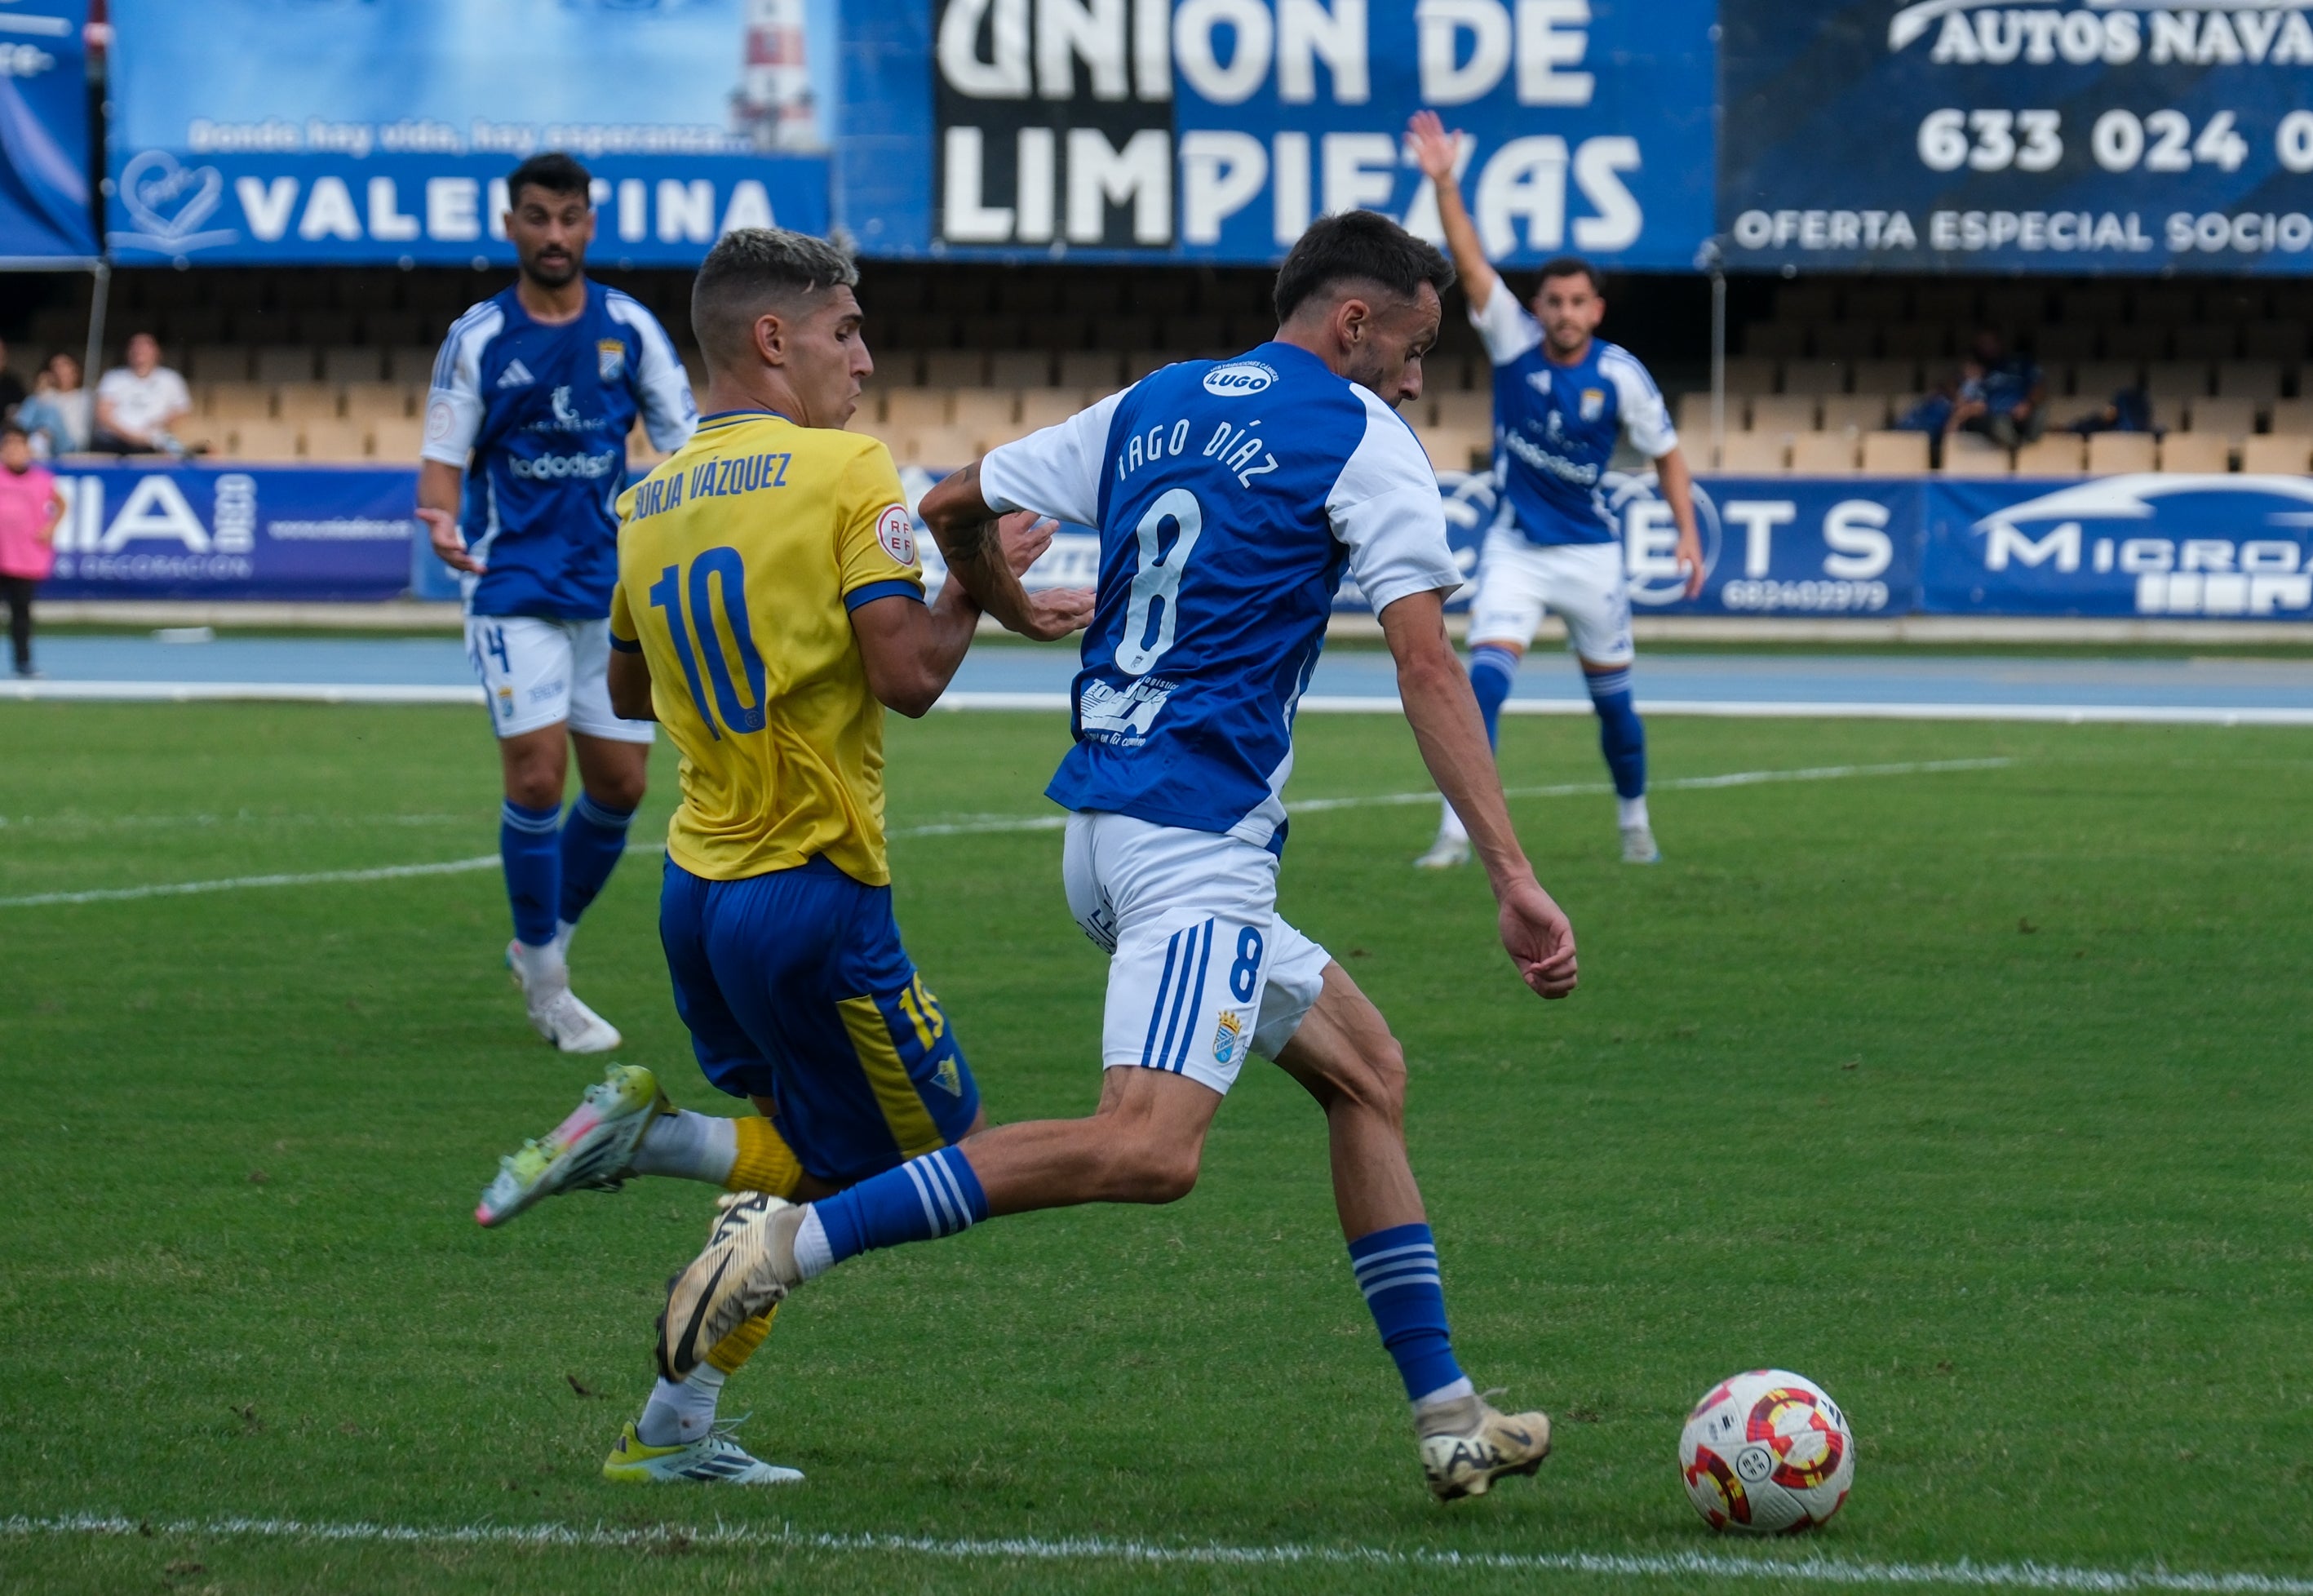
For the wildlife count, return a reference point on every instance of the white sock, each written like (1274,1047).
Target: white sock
(562,930)
(1633,811)
(1450,828)
(541,966)
(677,1415)
(813,1255)
(689,1146)
(1440,1397)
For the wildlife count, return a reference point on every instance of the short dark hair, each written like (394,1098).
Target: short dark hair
(1571,266)
(551,171)
(751,269)
(9,429)
(1358,246)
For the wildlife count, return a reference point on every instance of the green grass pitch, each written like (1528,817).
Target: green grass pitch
(1979,1096)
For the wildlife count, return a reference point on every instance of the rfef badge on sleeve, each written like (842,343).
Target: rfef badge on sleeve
(897,533)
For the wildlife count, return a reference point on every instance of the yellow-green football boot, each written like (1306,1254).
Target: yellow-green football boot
(589,1150)
(716,1460)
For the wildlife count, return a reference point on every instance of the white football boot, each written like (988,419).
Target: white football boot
(589,1150)
(1638,846)
(715,1460)
(1452,847)
(1466,1446)
(555,1011)
(749,1266)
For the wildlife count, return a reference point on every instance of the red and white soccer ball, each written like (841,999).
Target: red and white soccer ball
(1767,1453)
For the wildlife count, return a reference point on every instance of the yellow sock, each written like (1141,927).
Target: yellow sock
(765,1164)
(735,1349)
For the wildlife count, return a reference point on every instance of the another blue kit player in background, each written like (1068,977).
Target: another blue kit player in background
(1562,401)
(534,393)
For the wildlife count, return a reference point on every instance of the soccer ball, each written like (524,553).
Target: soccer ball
(1767,1453)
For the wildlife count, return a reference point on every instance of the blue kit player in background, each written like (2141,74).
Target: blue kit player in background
(534,393)
(1231,497)
(1562,401)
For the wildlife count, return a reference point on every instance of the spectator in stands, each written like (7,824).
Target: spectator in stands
(30,508)
(2007,401)
(138,404)
(12,387)
(56,415)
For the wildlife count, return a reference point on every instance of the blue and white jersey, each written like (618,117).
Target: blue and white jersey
(544,413)
(1555,426)
(1230,496)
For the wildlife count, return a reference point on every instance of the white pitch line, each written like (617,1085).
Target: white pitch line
(193,693)
(971,826)
(1662,1566)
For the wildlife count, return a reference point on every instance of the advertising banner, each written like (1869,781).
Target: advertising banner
(2160,547)
(2060,136)
(353,131)
(340,533)
(1217,129)
(44,155)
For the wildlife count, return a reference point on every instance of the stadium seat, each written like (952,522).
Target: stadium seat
(336,438)
(2188,378)
(1140,362)
(1195,334)
(324,327)
(1917,340)
(263,440)
(909,408)
(1854,412)
(1745,375)
(1091,368)
(1825,454)
(1805,304)
(352,364)
(1783,413)
(2292,416)
(1049,407)
(2206,342)
(1123,332)
(2099,380)
(1451,448)
(956,369)
(2229,418)
(2279,340)
(1846,342)
(1020,368)
(370,402)
(1468,411)
(304,400)
(1875,302)
(214,363)
(1761,453)
(1895,454)
(411,363)
(1886,377)
(2136,341)
(2112,452)
(2257,379)
(898,366)
(284,363)
(234,401)
(1965,455)
(2168,413)
(1099,293)
(1692,414)
(937,449)
(1815,376)
(204,435)
(1952,304)
(2066,343)
(984,411)
(2016,305)
(1770,341)
(2057,454)
(2204,453)
(2277,454)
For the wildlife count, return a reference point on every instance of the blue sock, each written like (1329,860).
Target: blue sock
(937,1194)
(1492,671)
(533,868)
(1397,1270)
(1620,737)
(593,837)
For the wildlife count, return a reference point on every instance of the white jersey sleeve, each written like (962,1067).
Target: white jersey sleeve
(1646,419)
(1385,509)
(453,409)
(1055,471)
(1506,327)
(662,387)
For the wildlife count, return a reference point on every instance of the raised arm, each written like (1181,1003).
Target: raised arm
(1434,149)
(1444,714)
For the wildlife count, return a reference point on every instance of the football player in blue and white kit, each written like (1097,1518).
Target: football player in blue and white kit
(526,455)
(1562,399)
(1231,498)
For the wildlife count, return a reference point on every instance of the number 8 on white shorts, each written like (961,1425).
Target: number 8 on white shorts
(1192,992)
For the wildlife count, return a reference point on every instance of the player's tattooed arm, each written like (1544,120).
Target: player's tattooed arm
(988,554)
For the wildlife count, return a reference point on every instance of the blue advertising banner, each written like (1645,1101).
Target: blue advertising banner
(1217,129)
(44,156)
(198,532)
(350,131)
(2060,136)
(2229,547)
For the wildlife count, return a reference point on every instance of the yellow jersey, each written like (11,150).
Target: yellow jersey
(740,560)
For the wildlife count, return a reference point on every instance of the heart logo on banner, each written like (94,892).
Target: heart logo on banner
(166,198)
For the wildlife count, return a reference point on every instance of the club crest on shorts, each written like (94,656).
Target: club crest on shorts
(1228,1038)
(897,534)
(948,1078)
(609,359)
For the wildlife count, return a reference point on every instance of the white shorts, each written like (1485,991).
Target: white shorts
(539,672)
(1579,583)
(1201,970)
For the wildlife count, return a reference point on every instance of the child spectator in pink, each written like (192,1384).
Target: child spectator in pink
(30,508)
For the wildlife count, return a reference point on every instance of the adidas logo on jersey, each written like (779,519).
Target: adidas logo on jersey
(515,375)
